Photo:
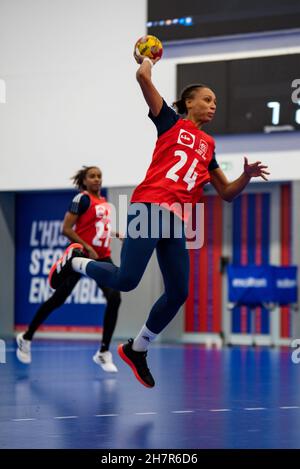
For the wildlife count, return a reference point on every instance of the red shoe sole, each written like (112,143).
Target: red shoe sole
(53,268)
(126,360)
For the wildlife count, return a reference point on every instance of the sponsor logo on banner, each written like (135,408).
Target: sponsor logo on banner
(186,138)
(250,282)
(286,283)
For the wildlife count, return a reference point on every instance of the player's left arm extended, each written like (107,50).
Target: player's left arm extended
(229,190)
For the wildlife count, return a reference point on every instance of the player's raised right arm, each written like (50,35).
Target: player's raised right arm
(143,76)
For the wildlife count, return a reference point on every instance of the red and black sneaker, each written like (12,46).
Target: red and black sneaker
(137,362)
(63,268)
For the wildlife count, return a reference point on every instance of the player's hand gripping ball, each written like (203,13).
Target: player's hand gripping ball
(148,46)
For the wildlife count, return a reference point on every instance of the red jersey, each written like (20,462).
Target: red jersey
(94,225)
(180,164)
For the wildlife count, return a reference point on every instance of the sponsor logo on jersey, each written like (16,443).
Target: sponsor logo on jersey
(202,150)
(186,138)
(102,211)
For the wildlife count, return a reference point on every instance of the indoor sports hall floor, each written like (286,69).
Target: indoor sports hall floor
(204,398)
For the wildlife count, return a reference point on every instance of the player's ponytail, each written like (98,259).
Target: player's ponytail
(187,93)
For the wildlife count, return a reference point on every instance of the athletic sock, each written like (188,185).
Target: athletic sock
(143,339)
(79,264)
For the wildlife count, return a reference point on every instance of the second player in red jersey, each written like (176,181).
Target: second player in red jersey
(86,223)
(94,225)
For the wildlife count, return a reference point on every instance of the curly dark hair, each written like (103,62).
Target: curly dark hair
(79,177)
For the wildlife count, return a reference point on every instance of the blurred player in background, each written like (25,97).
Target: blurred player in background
(87,222)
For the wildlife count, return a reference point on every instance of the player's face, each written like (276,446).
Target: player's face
(203,105)
(93,180)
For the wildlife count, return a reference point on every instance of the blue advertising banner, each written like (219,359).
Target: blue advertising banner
(250,284)
(39,243)
(286,291)
(255,285)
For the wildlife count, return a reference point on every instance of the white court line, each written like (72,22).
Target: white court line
(182,411)
(157,413)
(37,348)
(219,410)
(66,417)
(21,420)
(254,408)
(63,348)
(289,407)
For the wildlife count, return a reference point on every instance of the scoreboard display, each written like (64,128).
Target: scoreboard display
(257,95)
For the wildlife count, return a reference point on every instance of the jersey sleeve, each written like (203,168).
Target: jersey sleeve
(79,204)
(165,119)
(213,163)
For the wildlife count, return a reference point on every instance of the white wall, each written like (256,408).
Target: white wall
(71,93)
(72,97)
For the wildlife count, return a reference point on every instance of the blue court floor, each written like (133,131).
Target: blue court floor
(229,398)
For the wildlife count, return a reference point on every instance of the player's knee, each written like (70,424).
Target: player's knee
(181,295)
(129,283)
(183,298)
